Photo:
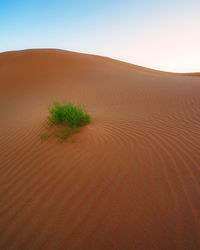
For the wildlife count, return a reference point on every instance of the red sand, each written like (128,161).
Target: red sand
(132,178)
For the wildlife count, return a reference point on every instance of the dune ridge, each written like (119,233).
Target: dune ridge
(131,180)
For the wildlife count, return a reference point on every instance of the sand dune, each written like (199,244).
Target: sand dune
(132,178)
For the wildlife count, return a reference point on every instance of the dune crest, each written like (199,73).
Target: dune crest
(131,180)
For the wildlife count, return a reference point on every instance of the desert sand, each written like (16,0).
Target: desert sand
(132,178)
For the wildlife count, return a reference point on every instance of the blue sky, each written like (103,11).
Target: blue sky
(158,34)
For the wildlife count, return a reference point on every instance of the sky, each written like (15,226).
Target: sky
(158,34)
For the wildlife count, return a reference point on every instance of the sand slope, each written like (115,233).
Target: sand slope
(131,180)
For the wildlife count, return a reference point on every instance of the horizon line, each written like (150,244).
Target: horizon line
(188,73)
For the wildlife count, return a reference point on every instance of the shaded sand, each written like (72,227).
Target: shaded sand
(132,178)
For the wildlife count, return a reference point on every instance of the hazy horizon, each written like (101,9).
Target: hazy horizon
(152,34)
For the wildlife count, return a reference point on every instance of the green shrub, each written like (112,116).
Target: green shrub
(69,114)
(64,120)
(62,133)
